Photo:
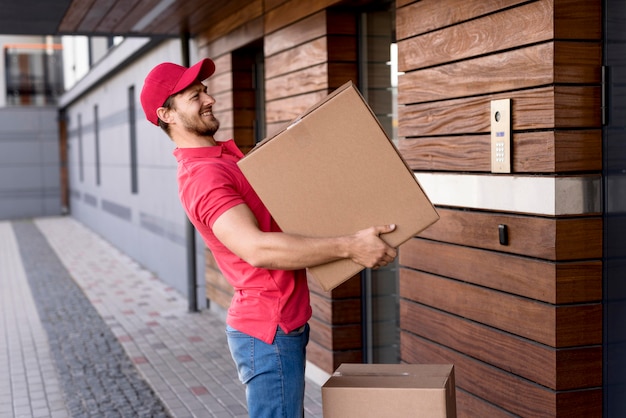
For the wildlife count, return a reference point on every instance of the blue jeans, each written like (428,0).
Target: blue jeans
(273,373)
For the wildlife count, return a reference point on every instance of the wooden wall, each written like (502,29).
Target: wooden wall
(304,62)
(309,51)
(521,322)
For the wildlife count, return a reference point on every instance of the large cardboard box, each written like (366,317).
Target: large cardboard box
(334,171)
(390,391)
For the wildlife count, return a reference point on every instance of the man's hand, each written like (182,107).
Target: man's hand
(369,250)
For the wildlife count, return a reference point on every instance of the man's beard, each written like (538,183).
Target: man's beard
(201,129)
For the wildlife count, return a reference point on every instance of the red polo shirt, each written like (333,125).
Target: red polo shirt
(210,183)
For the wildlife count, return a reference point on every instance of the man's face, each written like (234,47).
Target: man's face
(194,110)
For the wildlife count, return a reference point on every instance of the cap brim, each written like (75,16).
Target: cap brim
(198,72)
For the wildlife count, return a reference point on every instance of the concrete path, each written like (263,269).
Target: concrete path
(87,332)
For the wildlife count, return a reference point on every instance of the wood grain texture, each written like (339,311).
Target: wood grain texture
(557,369)
(577,19)
(214,22)
(298,83)
(522,322)
(423,16)
(292,11)
(309,54)
(549,282)
(336,311)
(557,326)
(329,360)
(528,24)
(336,337)
(532,152)
(468,405)
(512,393)
(542,108)
(285,110)
(547,63)
(546,238)
(298,33)
(239,37)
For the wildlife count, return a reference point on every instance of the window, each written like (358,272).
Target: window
(34,73)
(96,131)
(132,126)
(81,173)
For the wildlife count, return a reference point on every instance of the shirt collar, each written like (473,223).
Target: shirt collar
(228,147)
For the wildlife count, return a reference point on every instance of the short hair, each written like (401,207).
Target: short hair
(169,104)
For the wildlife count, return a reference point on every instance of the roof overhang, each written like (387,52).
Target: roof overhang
(167,18)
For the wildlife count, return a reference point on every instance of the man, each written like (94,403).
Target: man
(267,320)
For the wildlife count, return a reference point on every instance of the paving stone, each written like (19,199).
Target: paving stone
(105,337)
(87,354)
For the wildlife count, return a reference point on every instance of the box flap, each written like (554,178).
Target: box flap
(422,376)
(390,390)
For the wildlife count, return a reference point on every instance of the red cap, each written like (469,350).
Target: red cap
(168,78)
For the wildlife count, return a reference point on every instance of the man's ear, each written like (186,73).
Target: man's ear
(164,114)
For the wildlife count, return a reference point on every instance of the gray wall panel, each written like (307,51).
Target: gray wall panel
(29,162)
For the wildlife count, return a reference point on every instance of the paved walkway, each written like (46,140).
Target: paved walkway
(87,332)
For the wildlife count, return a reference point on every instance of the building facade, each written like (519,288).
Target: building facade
(30,181)
(520,283)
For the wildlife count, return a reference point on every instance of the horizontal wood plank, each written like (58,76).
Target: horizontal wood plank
(292,11)
(547,63)
(271,4)
(125,25)
(285,110)
(547,238)
(469,406)
(340,73)
(342,48)
(572,282)
(528,24)
(336,311)
(559,107)
(532,152)
(336,337)
(428,15)
(516,395)
(309,54)
(541,322)
(299,33)
(578,19)
(329,360)
(240,37)
(215,22)
(297,83)
(557,369)
(222,81)
(109,21)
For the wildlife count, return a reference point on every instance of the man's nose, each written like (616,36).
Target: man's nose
(208,98)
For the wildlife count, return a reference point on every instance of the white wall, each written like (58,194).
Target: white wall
(148,226)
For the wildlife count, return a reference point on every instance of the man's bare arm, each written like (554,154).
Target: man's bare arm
(238,230)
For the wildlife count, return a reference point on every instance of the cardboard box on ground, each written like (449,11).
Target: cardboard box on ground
(390,391)
(334,171)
